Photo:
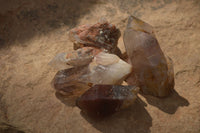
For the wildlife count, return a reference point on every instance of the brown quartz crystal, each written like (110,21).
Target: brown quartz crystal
(104,100)
(152,71)
(67,81)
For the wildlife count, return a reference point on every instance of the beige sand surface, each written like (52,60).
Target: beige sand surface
(32,32)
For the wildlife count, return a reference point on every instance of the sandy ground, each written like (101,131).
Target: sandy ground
(31,33)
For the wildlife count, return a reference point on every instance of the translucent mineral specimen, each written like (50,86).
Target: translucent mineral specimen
(104,100)
(104,69)
(100,35)
(150,67)
(80,57)
(67,81)
(107,69)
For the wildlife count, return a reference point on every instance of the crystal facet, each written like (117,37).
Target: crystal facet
(150,67)
(67,81)
(104,100)
(107,69)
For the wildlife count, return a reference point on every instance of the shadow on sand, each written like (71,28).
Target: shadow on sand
(134,119)
(68,101)
(168,104)
(22,20)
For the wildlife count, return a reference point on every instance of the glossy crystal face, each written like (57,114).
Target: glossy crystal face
(104,100)
(150,66)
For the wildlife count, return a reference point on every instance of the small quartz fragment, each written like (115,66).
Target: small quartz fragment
(101,35)
(152,71)
(67,81)
(107,69)
(104,100)
(80,57)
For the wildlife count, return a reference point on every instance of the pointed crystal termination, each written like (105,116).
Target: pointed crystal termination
(104,100)
(80,57)
(153,72)
(100,35)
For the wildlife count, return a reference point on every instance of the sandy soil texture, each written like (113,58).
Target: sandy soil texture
(33,32)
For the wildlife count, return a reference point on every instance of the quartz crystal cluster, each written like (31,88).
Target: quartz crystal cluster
(93,72)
